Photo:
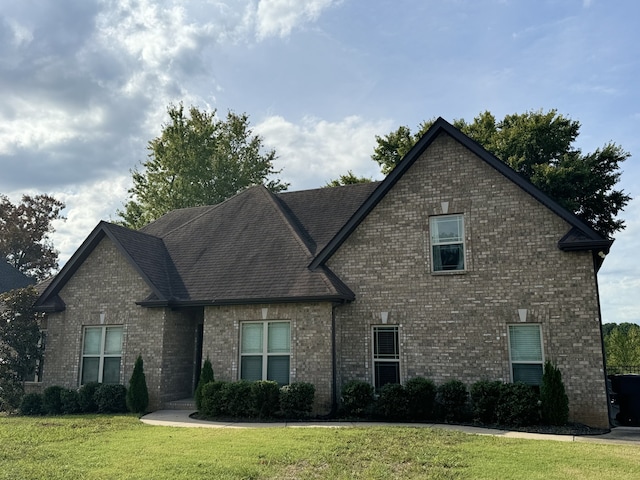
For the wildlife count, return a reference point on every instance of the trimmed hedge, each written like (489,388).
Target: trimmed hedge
(86,398)
(485,397)
(421,398)
(31,404)
(357,398)
(51,401)
(266,398)
(70,401)
(111,398)
(296,399)
(453,399)
(518,405)
(392,403)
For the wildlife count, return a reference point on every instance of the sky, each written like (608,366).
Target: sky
(86,84)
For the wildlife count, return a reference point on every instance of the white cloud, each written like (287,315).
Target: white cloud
(280,17)
(316,151)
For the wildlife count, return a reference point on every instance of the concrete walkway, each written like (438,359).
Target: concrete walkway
(181,418)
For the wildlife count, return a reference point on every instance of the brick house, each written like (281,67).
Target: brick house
(453,267)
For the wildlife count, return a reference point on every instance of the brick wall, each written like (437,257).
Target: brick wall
(103,291)
(454,325)
(310,342)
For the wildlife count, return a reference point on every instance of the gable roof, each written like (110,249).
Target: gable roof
(12,278)
(580,237)
(260,247)
(253,248)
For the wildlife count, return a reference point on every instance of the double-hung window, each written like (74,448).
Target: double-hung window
(525,352)
(447,242)
(101,354)
(386,355)
(265,351)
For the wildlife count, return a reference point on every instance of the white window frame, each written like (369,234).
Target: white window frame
(265,354)
(385,358)
(437,242)
(101,355)
(513,362)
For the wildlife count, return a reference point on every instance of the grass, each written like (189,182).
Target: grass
(121,447)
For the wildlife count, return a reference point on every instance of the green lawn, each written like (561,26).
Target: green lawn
(121,447)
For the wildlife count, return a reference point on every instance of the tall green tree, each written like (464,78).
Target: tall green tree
(348,179)
(24,233)
(198,160)
(540,146)
(622,347)
(20,346)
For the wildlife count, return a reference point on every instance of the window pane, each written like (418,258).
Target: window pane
(111,371)
(113,341)
(278,369)
(386,372)
(251,368)
(525,343)
(92,339)
(448,257)
(527,373)
(279,338)
(447,229)
(386,342)
(252,338)
(90,368)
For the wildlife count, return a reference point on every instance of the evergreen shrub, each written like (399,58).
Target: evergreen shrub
(421,397)
(553,398)
(266,398)
(70,401)
(453,397)
(31,404)
(518,405)
(238,398)
(138,395)
(206,376)
(212,404)
(392,404)
(296,399)
(485,395)
(51,401)
(111,398)
(356,398)
(86,398)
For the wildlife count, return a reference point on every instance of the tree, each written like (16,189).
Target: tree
(138,395)
(20,346)
(554,400)
(24,233)
(206,376)
(198,160)
(622,347)
(539,146)
(348,179)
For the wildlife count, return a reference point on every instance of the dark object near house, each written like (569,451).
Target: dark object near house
(627,396)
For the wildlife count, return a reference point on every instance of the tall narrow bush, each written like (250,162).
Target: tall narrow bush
(421,395)
(554,400)
(206,376)
(138,394)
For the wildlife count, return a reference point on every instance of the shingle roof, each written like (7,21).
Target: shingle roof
(258,247)
(12,278)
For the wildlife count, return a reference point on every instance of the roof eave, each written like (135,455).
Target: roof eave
(245,301)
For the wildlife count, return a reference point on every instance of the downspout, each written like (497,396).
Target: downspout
(597,261)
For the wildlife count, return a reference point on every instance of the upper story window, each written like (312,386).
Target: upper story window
(447,242)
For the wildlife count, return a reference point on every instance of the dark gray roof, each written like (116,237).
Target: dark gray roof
(259,247)
(12,278)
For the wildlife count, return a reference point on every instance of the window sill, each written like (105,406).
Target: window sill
(450,272)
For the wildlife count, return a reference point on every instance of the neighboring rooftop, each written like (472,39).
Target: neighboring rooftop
(12,278)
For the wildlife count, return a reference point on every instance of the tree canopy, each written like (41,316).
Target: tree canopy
(622,346)
(24,234)
(198,160)
(539,146)
(347,179)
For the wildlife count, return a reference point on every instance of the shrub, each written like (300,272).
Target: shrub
(356,398)
(51,401)
(296,399)
(206,376)
(554,400)
(111,398)
(138,395)
(238,398)
(86,398)
(518,405)
(485,395)
(31,404)
(70,401)
(266,397)
(392,403)
(452,397)
(211,400)
(11,392)
(421,397)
